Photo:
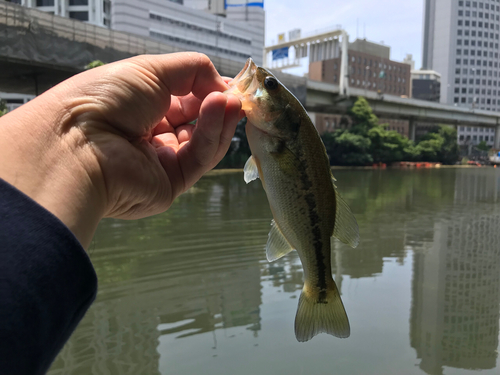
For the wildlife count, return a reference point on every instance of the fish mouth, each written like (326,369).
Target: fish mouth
(242,81)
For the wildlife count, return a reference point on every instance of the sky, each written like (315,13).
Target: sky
(395,22)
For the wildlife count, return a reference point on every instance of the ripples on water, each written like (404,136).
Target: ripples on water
(191,292)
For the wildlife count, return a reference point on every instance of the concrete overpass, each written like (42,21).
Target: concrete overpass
(326,98)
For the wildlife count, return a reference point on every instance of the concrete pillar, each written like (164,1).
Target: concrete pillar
(497,138)
(411,130)
(344,66)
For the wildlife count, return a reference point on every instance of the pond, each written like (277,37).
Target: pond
(191,292)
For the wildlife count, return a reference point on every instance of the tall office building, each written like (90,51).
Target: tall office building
(461,41)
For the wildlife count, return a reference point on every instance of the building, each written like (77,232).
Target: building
(461,41)
(475,135)
(425,85)
(216,27)
(225,29)
(455,291)
(370,68)
(13,101)
(326,123)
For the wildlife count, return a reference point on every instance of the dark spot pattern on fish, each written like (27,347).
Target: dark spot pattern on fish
(314,221)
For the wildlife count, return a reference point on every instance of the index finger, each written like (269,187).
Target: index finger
(186,72)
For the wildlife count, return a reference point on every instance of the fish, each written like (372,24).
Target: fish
(290,159)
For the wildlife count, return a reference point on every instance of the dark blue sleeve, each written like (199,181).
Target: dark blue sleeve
(47,283)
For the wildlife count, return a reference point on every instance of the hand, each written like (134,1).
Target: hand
(116,140)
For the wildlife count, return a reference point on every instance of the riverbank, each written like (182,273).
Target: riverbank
(368,167)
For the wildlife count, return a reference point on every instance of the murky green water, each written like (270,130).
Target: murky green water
(191,292)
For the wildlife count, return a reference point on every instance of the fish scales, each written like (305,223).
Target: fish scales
(291,161)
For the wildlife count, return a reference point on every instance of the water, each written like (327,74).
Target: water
(191,291)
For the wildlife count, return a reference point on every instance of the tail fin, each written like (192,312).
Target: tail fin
(315,315)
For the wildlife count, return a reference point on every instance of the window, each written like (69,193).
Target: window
(461,13)
(81,16)
(460,23)
(44,3)
(458,62)
(78,2)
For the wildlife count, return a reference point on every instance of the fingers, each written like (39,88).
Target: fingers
(211,138)
(186,72)
(183,109)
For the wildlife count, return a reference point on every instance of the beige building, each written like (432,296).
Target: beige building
(370,68)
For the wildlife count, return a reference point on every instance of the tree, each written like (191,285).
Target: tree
(483,146)
(94,64)
(3,107)
(366,141)
(439,145)
(346,148)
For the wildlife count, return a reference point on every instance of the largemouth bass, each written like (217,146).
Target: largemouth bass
(291,161)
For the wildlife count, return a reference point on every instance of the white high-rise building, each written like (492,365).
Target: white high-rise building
(461,42)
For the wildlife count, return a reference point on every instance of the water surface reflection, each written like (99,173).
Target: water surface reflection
(190,291)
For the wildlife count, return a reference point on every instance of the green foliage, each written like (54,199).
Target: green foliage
(346,148)
(483,146)
(366,142)
(388,146)
(362,116)
(94,64)
(3,108)
(439,145)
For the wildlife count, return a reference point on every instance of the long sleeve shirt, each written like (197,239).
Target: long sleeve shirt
(47,283)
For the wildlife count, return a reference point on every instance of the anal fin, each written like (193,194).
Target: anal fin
(277,245)
(346,227)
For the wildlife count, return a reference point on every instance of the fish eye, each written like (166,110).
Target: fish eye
(271,83)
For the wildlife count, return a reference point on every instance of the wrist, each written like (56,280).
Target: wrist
(54,167)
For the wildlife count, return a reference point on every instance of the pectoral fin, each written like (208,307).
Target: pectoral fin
(277,245)
(346,228)
(251,171)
